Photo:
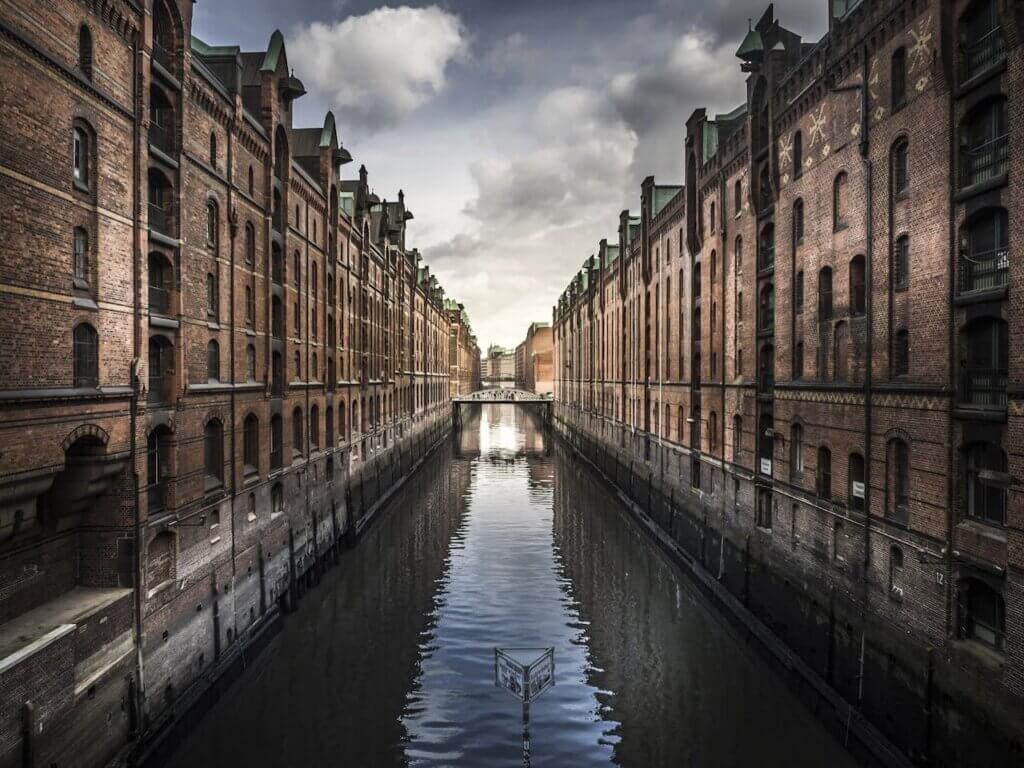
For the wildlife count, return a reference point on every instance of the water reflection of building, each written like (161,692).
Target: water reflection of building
(661,656)
(343,669)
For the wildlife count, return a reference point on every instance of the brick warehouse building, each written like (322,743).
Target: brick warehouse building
(800,362)
(218,354)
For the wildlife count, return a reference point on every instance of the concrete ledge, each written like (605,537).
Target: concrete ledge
(14,659)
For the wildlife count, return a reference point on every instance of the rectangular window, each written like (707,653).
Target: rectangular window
(901,262)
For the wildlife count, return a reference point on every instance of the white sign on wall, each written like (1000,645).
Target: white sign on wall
(766,466)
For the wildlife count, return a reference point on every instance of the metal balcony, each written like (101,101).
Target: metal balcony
(984,271)
(985,161)
(983,53)
(983,387)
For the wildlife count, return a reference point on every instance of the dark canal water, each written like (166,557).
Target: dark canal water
(502,540)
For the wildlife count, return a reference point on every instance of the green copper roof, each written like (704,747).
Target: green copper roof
(710,147)
(751,45)
(611,254)
(205,49)
(662,197)
(329,130)
(273,52)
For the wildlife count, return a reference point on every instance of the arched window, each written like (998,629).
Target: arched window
(329,426)
(212,226)
(213,452)
(855,475)
(314,427)
(213,361)
(839,201)
(213,150)
(798,222)
(738,249)
(276,442)
(739,307)
(212,297)
(297,272)
(858,293)
(297,446)
(80,255)
(314,368)
(737,437)
(80,156)
(250,363)
(901,353)
(897,485)
(841,352)
(252,182)
(714,266)
(825,294)
(798,155)
(984,251)
(160,560)
(738,196)
(900,167)
(986,481)
(251,444)
(713,432)
(982,614)
(85,51)
(984,145)
(823,478)
(297,360)
(796,453)
(713,222)
(86,343)
(798,360)
(981,38)
(898,78)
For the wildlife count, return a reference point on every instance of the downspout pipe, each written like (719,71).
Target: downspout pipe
(135,383)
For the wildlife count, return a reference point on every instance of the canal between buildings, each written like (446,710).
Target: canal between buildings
(502,539)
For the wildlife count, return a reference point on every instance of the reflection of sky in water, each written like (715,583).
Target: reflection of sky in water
(503,588)
(390,661)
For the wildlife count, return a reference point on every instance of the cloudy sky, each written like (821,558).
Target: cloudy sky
(518,129)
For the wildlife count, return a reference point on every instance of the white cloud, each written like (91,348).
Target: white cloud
(380,67)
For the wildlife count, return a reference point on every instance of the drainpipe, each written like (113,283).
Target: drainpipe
(865,147)
(137,703)
(232,234)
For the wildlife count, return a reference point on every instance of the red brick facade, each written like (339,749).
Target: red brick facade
(213,341)
(810,346)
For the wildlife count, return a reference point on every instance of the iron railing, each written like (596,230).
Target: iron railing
(160,218)
(984,387)
(984,271)
(985,161)
(983,53)
(159,300)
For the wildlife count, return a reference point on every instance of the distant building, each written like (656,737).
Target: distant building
(538,359)
(500,368)
(521,365)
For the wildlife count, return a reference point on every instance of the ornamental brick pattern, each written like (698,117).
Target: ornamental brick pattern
(811,348)
(217,352)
